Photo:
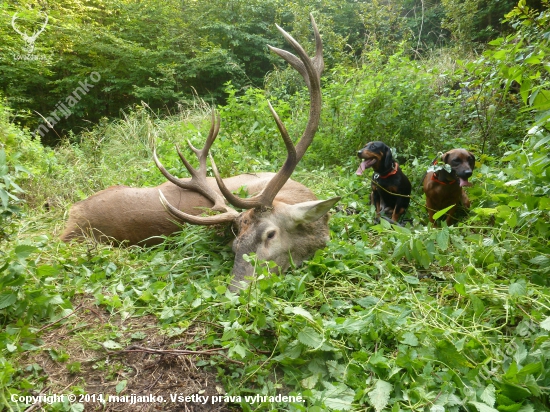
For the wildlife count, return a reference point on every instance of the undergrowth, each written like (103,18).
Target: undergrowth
(386,317)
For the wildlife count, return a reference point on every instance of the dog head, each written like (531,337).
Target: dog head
(462,163)
(376,155)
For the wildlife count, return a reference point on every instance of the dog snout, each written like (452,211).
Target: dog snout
(466,173)
(359,153)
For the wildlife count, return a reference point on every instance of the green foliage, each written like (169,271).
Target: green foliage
(14,149)
(164,52)
(473,22)
(8,190)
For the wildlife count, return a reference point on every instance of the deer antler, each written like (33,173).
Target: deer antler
(198,183)
(310,69)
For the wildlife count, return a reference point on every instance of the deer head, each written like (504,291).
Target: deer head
(274,226)
(29,48)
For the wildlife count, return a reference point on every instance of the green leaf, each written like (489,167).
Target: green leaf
(239,350)
(477,304)
(545,324)
(525,89)
(514,392)
(4,198)
(47,271)
(167,313)
(310,382)
(121,386)
(449,355)
(310,337)
(440,213)
(24,251)
(410,339)
(111,344)
(460,288)
(541,142)
(368,301)
(379,360)
(540,99)
(442,238)
(413,280)
(485,211)
(335,369)
(297,310)
(481,407)
(338,397)
(380,395)
(76,407)
(138,336)
(518,288)
(7,299)
(540,260)
(488,395)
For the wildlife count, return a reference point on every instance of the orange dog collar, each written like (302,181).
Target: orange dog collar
(394,171)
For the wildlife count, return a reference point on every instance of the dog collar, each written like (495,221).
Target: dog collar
(435,179)
(391,173)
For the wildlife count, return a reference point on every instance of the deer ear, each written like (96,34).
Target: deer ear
(308,212)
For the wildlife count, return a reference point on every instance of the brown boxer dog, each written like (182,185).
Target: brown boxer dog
(444,189)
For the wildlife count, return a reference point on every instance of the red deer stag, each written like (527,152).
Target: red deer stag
(283,219)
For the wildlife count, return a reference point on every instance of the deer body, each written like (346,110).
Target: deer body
(137,217)
(283,219)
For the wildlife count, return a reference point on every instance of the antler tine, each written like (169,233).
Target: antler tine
(297,63)
(226,217)
(198,181)
(310,69)
(212,135)
(318,61)
(170,177)
(261,199)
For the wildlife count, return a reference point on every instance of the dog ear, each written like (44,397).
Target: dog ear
(388,162)
(444,157)
(472,160)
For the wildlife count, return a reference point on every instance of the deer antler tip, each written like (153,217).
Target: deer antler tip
(162,198)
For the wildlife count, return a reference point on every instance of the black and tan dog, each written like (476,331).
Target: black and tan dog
(443,188)
(391,189)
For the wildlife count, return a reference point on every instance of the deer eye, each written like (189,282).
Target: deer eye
(271,234)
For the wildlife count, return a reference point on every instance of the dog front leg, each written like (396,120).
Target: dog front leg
(465,200)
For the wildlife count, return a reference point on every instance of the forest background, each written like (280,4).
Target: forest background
(386,317)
